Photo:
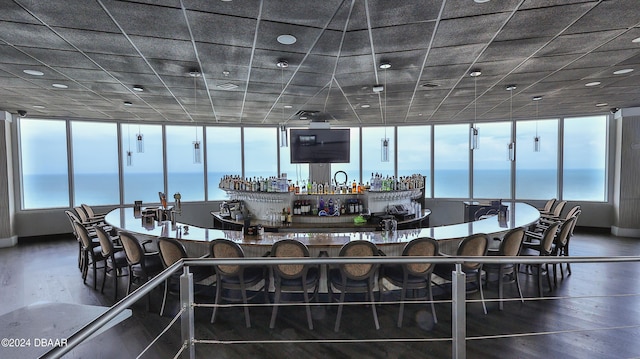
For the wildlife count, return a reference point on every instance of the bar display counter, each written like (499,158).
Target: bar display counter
(196,239)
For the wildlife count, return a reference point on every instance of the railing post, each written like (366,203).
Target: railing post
(458,313)
(187,319)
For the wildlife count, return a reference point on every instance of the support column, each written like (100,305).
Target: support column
(626,201)
(7,208)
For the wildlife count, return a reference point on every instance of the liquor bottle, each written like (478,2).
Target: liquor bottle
(354,187)
(283,216)
(297,188)
(321,204)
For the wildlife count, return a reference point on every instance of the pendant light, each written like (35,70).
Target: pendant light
(283,64)
(536,139)
(129,154)
(473,134)
(139,141)
(384,142)
(512,145)
(197,153)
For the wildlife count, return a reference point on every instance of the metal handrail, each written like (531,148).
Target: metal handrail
(95,325)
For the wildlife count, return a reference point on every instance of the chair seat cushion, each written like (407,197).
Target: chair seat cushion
(251,275)
(443,270)
(152,265)
(313,273)
(395,274)
(120,259)
(335,276)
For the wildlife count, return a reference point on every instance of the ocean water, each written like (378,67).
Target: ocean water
(51,191)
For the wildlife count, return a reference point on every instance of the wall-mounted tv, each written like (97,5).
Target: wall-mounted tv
(319,145)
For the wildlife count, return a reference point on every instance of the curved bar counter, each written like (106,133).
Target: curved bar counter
(196,239)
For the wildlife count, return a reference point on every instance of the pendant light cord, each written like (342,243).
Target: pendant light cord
(384,116)
(195,102)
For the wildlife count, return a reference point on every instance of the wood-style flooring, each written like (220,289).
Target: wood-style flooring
(591,324)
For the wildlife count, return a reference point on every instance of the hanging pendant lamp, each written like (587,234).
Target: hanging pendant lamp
(384,142)
(512,146)
(129,154)
(139,141)
(536,138)
(197,153)
(473,131)
(283,64)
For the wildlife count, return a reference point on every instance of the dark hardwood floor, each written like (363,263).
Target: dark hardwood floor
(591,324)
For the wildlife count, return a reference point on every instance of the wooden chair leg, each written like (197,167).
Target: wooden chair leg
(306,305)
(164,296)
(216,301)
(274,311)
(246,305)
(373,305)
(433,306)
(337,326)
(403,296)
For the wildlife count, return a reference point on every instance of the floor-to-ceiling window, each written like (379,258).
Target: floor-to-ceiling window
(224,157)
(537,171)
(578,157)
(491,161)
(184,174)
(414,153)
(372,152)
(94,149)
(584,158)
(43,154)
(451,161)
(144,177)
(260,152)
(298,173)
(352,169)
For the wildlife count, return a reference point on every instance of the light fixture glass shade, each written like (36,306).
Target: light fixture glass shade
(197,153)
(473,138)
(283,137)
(129,159)
(511,155)
(536,144)
(384,153)
(139,143)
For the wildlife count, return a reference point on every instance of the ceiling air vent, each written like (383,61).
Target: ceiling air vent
(227,86)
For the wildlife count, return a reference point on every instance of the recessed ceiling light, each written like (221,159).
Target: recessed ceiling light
(430,85)
(138,88)
(636,40)
(536,98)
(287,39)
(481,1)
(622,72)
(365,106)
(38,106)
(128,103)
(195,73)
(288,106)
(60,86)
(33,72)
(594,83)
(385,65)
(510,87)
(283,64)
(475,73)
(602,104)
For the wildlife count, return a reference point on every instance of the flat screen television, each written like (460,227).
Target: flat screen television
(320,145)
